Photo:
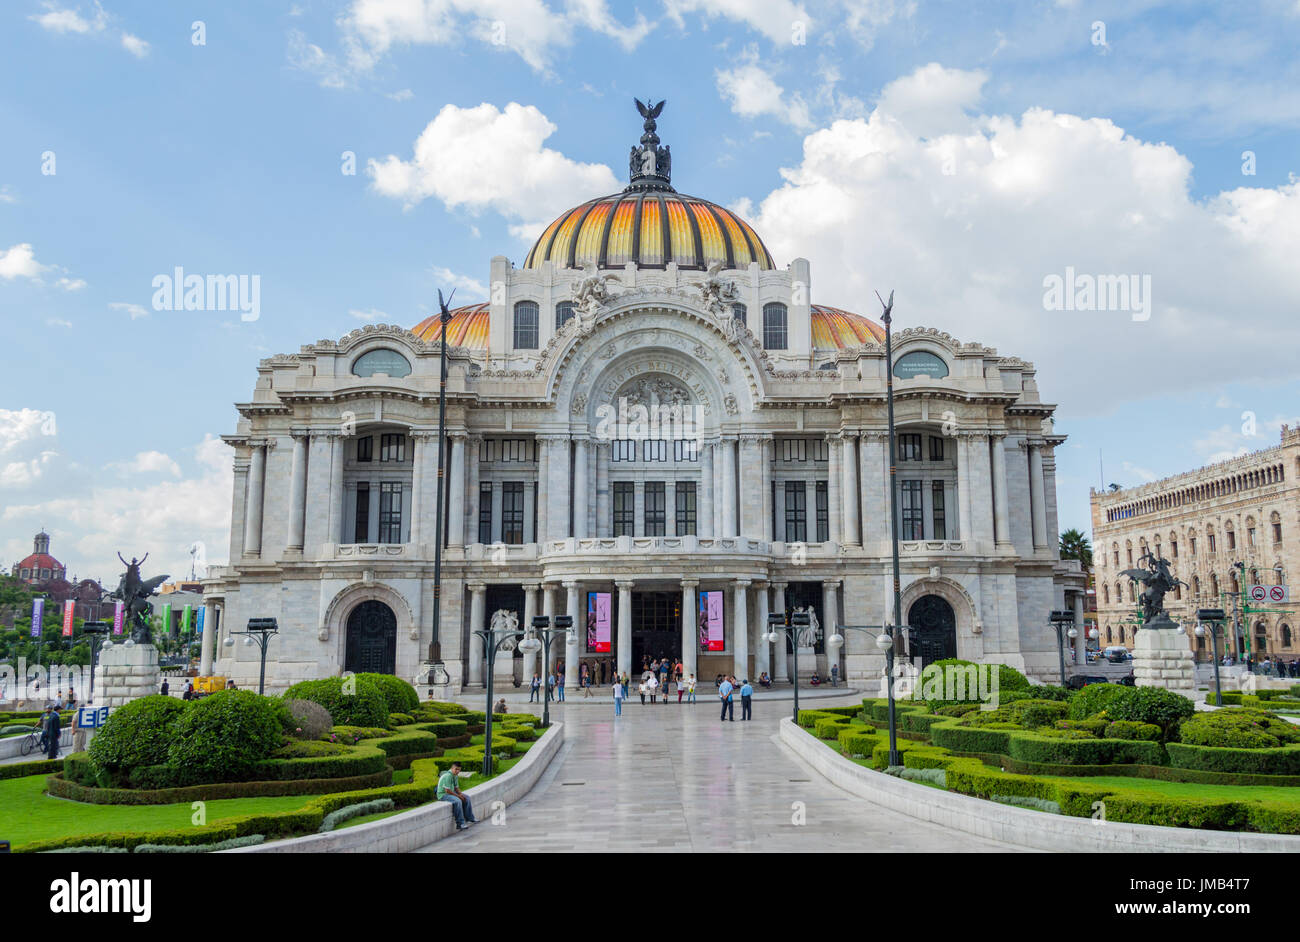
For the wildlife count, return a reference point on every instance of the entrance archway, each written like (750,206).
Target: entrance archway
(371,639)
(656,627)
(934,629)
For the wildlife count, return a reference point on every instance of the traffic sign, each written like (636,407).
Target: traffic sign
(1259,593)
(1269,593)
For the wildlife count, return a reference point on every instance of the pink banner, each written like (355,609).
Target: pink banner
(69,607)
(711,635)
(117,618)
(598,622)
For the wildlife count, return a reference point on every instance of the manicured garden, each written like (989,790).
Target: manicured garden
(1132,754)
(324,755)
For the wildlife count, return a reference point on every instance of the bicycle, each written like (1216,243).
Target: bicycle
(33,740)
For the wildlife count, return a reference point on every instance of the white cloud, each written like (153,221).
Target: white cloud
(6,195)
(57,322)
(932,100)
(135,310)
(71,284)
(135,45)
(58,20)
(403,94)
(148,462)
(774,19)
(864,19)
(370,315)
(1145,475)
(309,57)
(483,158)
(19,261)
(25,473)
(968,222)
(752,92)
(466,285)
(22,426)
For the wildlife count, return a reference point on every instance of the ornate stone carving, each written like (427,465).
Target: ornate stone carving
(579,404)
(730,404)
(590,295)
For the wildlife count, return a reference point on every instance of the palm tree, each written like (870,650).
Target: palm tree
(1074,545)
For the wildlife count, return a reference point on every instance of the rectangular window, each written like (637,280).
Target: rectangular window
(936,449)
(913,518)
(390,512)
(1210,538)
(624,508)
(936,502)
(796,512)
(512,512)
(819,449)
(654,449)
(909,447)
(485,512)
(1232,539)
(685,497)
(1191,547)
(1173,548)
(686,449)
(364,445)
(361,532)
(624,449)
(392,447)
(823,512)
(774,326)
(1250,536)
(1277,533)
(794,449)
(656,504)
(525,325)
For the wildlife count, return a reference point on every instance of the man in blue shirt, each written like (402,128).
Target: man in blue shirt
(746,701)
(724,693)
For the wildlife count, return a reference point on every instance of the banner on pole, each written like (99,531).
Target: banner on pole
(38,616)
(69,609)
(598,639)
(167,619)
(117,618)
(198,621)
(186,613)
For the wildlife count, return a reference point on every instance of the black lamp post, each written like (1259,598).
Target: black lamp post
(96,630)
(260,631)
(494,639)
(444,317)
(1059,619)
(1211,620)
(541,626)
(887,319)
(789,625)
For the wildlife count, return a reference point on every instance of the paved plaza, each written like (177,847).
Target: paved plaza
(675,778)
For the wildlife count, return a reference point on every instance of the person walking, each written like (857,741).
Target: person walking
(835,675)
(53,731)
(550,686)
(534,688)
(746,701)
(587,682)
(690,689)
(681,687)
(618,698)
(627,685)
(724,694)
(559,684)
(165,687)
(79,731)
(642,690)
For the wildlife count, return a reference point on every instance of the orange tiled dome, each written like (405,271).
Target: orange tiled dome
(650,228)
(836,328)
(468,327)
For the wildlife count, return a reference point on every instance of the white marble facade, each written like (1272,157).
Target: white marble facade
(543,506)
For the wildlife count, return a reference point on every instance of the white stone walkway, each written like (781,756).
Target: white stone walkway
(675,778)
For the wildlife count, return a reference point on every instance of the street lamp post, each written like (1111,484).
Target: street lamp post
(444,317)
(494,639)
(1214,619)
(886,642)
(789,626)
(259,632)
(1059,619)
(887,318)
(531,645)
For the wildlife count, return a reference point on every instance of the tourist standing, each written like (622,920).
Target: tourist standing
(53,731)
(652,685)
(835,675)
(79,732)
(746,701)
(690,689)
(165,687)
(724,694)
(618,698)
(559,684)
(534,688)
(642,690)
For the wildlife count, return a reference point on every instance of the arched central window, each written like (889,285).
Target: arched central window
(389,362)
(740,313)
(526,325)
(774,326)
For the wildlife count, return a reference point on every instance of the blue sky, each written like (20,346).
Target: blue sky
(1112,150)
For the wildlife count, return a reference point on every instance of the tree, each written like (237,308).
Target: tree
(1074,545)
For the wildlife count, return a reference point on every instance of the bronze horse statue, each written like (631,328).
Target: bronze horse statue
(134,592)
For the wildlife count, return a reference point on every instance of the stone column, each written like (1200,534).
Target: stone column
(874,483)
(419,453)
(834,511)
(530,609)
(964,491)
(209,645)
(297,493)
(830,619)
(852,533)
(763,650)
(471,497)
(1001,520)
(982,525)
(557,513)
(253,509)
(690,627)
(335,534)
(477,621)
(581,500)
(740,629)
(543,443)
(575,636)
(1038,495)
(729,487)
(624,626)
(750,504)
(704,502)
(548,609)
(456,481)
(1081,640)
(604,512)
(782,671)
(767,453)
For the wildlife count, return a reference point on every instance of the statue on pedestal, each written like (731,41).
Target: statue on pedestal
(133,592)
(1156,580)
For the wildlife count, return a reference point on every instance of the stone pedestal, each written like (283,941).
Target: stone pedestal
(126,672)
(807,663)
(1162,658)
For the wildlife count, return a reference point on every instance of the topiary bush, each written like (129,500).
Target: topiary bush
(1050,692)
(1238,728)
(1129,729)
(1031,714)
(225,734)
(400,696)
(311,720)
(1012,685)
(1157,705)
(136,734)
(1094,698)
(365,705)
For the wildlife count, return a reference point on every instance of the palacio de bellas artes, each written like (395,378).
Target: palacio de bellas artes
(649,412)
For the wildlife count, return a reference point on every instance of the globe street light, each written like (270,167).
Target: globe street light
(259,632)
(531,645)
(1059,620)
(789,625)
(885,642)
(1211,620)
(494,639)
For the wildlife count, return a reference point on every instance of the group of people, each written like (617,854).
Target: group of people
(554,685)
(1269,667)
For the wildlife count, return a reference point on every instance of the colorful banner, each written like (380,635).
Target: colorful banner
(167,619)
(38,616)
(69,609)
(198,622)
(117,618)
(598,622)
(711,633)
(186,614)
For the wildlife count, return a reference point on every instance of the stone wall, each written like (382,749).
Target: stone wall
(126,672)
(1161,658)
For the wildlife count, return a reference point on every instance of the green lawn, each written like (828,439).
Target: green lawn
(1190,789)
(27,814)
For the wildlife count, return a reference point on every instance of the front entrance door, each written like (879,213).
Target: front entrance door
(933,629)
(656,627)
(372,639)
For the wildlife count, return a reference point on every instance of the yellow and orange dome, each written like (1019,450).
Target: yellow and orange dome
(468,327)
(833,328)
(651,229)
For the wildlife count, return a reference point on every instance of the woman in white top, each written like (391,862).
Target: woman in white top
(652,687)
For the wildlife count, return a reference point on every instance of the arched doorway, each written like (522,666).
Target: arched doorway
(371,639)
(934,629)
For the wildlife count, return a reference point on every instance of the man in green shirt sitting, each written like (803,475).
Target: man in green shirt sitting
(449,791)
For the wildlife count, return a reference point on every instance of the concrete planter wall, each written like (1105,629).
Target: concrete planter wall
(1032,830)
(11,746)
(401,833)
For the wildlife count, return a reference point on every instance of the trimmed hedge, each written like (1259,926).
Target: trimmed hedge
(1157,705)
(857,741)
(1284,760)
(1239,728)
(1032,747)
(37,767)
(444,728)
(137,734)
(59,786)
(1094,698)
(360,809)
(224,736)
(1032,714)
(1128,729)
(398,694)
(366,707)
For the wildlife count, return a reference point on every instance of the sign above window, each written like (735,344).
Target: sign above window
(389,362)
(920,362)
